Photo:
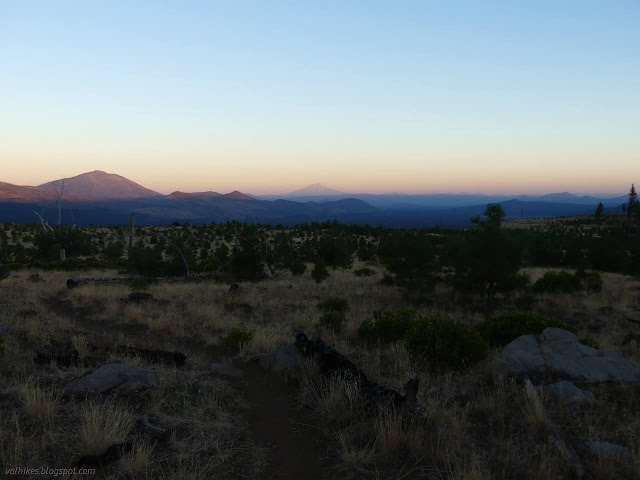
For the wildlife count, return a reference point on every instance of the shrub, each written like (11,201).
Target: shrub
(552,282)
(35,278)
(506,327)
(387,326)
(333,320)
(440,339)
(298,268)
(319,272)
(591,281)
(590,342)
(387,280)
(525,302)
(364,272)
(237,338)
(334,304)
(138,284)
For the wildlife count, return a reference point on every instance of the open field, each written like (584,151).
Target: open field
(477,424)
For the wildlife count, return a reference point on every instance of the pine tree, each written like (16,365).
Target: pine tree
(599,211)
(632,206)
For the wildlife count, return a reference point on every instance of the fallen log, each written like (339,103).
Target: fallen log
(332,362)
(152,430)
(153,356)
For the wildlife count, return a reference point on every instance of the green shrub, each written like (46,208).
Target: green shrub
(35,278)
(319,272)
(387,326)
(298,268)
(387,280)
(237,338)
(334,304)
(591,281)
(557,282)
(333,320)
(506,327)
(364,272)
(590,342)
(138,284)
(440,339)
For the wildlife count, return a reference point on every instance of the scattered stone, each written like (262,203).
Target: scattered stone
(607,450)
(153,356)
(60,356)
(282,359)
(4,272)
(225,370)
(112,377)
(139,297)
(114,452)
(559,351)
(567,392)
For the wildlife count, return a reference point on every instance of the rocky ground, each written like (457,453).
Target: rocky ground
(151,387)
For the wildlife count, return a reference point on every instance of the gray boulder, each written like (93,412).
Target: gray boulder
(559,351)
(225,370)
(607,450)
(112,377)
(567,392)
(284,358)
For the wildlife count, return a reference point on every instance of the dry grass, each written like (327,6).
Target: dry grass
(102,425)
(38,402)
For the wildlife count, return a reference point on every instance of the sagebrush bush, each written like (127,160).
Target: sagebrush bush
(35,278)
(501,329)
(387,326)
(564,282)
(364,272)
(431,338)
(333,320)
(440,339)
(139,284)
(237,338)
(591,281)
(334,304)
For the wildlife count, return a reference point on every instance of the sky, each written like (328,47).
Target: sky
(363,96)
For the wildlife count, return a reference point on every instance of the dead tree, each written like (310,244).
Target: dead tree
(59,189)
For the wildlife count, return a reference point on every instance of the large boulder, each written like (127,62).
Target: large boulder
(112,377)
(284,358)
(560,351)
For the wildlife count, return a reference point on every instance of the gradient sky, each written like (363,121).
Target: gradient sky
(270,96)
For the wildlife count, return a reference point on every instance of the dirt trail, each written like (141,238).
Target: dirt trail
(294,444)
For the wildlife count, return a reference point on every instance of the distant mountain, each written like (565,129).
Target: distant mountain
(316,189)
(99,184)
(28,194)
(186,196)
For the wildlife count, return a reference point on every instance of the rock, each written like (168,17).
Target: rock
(3,329)
(559,351)
(153,356)
(607,450)
(567,392)
(4,272)
(282,359)
(225,370)
(112,377)
(59,356)
(75,282)
(139,297)
(233,287)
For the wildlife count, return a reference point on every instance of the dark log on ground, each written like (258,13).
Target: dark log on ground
(139,297)
(113,453)
(153,356)
(152,430)
(332,362)
(78,282)
(60,356)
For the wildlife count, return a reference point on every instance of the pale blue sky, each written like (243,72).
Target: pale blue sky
(270,96)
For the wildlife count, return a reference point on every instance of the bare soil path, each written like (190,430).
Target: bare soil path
(296,446)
